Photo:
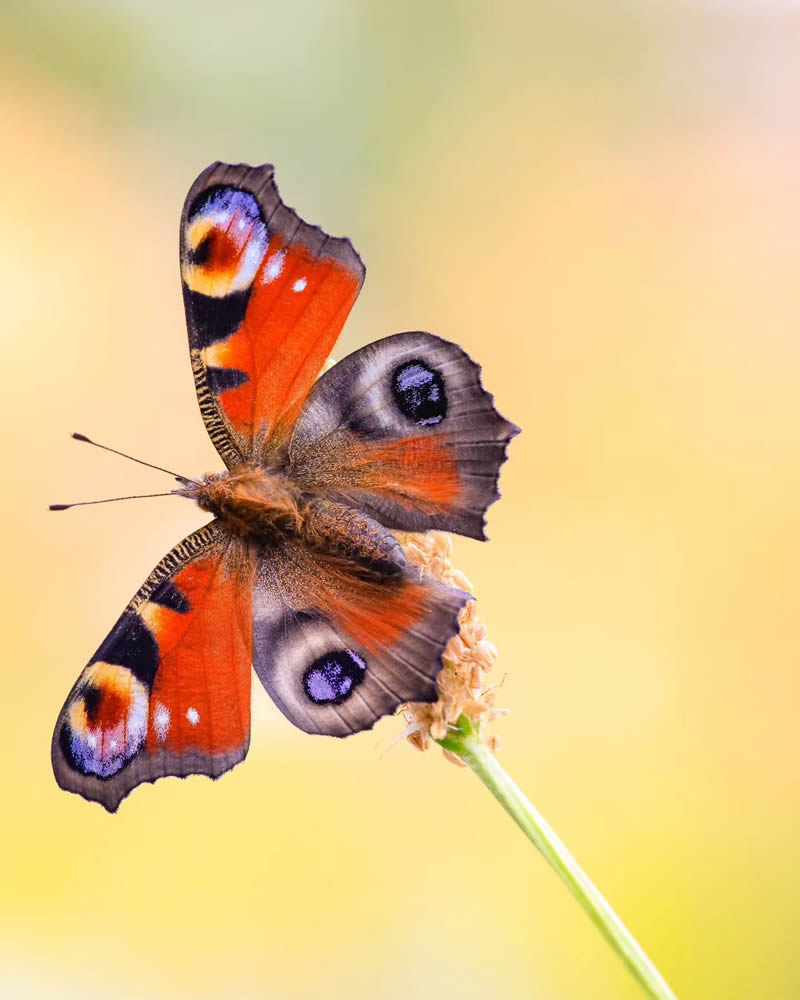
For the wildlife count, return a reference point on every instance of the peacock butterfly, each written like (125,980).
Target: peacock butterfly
(298,572)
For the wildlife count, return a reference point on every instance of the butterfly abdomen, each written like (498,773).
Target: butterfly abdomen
(338,530)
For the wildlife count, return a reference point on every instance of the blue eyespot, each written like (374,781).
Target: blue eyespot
(419,393)
(332,678)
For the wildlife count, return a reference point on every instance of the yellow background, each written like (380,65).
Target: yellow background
(601,203)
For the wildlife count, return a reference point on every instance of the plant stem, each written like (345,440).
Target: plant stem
(465,743)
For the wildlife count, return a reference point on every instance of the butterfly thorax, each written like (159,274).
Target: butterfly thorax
(252,501)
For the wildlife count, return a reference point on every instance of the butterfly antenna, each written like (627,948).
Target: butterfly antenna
(169,472)
(138,496)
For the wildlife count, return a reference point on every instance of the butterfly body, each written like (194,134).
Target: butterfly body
(299,573)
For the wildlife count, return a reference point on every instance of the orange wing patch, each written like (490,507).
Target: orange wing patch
(410,469)
(201,694)
(418,473)
(374,612)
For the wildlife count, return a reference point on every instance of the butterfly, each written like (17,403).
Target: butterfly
(298,572)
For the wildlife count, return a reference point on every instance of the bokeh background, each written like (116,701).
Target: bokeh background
(601,202)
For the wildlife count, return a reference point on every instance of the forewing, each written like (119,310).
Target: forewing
(266,295)
(168,691)
(403,430)
(338,647)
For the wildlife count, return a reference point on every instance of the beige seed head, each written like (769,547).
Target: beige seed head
(468,658)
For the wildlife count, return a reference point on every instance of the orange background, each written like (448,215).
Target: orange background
(601,203)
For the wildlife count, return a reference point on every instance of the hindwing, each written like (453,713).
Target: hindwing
(403,430)
(338,645)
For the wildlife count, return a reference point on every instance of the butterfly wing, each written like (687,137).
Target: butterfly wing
(168,691)
(266,295)
(403,430)
(338,645)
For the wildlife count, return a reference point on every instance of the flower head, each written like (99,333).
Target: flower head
(469,656)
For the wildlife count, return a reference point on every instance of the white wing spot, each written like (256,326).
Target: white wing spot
(274,267)
(299,285)
(193,716)
(161,721)
(91,739)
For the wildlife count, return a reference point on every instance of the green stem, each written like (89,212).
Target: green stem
(465,743)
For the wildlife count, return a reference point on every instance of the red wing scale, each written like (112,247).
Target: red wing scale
(168,691)
(403,430)
(266,295)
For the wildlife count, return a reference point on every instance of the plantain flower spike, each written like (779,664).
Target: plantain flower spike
(468,658)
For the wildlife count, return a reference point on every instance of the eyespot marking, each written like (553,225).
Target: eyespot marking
(106,723)
(225,240)
(332,678)
(419,393)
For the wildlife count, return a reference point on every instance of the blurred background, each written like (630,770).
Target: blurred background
(601,202)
